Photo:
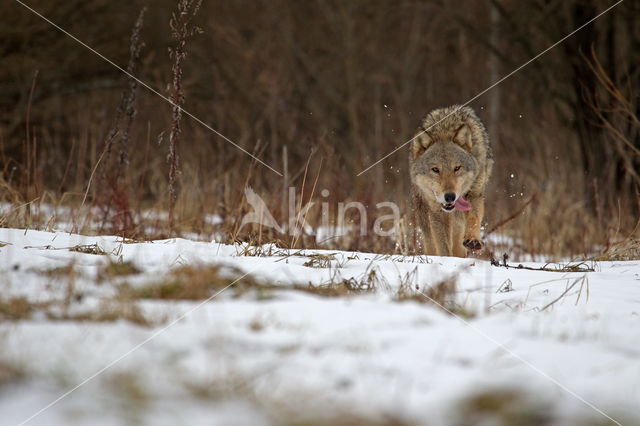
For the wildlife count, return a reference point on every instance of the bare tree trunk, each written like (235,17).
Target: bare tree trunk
(494,75)
(590,136)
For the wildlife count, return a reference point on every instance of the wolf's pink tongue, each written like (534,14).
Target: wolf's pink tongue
(462,204)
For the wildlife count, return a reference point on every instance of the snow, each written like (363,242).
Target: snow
(289,355)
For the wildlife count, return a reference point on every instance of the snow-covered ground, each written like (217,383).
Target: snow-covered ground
(309,337)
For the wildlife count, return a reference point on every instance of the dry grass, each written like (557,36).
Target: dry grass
(197,283)
(88,249)
(442,295)
(128,386)
(370,281)
(511,406)
(504,407)
(253,248)
(286,412)
(350,419)
(16,308)
(68,306)
(109,310)
(341,288)
(11,372)
(629,249)
(320,261)
(59,272)
(113,270)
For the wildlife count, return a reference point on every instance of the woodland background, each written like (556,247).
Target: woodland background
(320,90)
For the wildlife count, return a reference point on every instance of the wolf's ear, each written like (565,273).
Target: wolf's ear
(420,145)
(463,137)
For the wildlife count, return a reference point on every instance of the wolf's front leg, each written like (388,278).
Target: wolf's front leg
(472,240)
(440,235)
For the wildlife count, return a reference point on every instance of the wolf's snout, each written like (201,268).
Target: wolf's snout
(449,197)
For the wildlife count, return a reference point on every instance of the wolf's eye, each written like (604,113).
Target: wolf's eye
(456,168)
(435,170)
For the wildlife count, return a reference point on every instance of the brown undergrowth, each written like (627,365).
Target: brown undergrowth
(557,191)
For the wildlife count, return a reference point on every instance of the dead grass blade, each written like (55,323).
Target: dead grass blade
(581,280)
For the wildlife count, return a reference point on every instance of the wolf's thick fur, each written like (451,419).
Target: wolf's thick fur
(450,164)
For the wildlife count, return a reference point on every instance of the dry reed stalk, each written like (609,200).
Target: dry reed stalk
(30,146)
(182,28)
(306,210)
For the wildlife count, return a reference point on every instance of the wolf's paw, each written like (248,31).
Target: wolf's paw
(472,244)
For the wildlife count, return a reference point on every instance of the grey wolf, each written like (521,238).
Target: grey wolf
(450,163)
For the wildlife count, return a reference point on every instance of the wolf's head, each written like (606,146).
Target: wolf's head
(444,170)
